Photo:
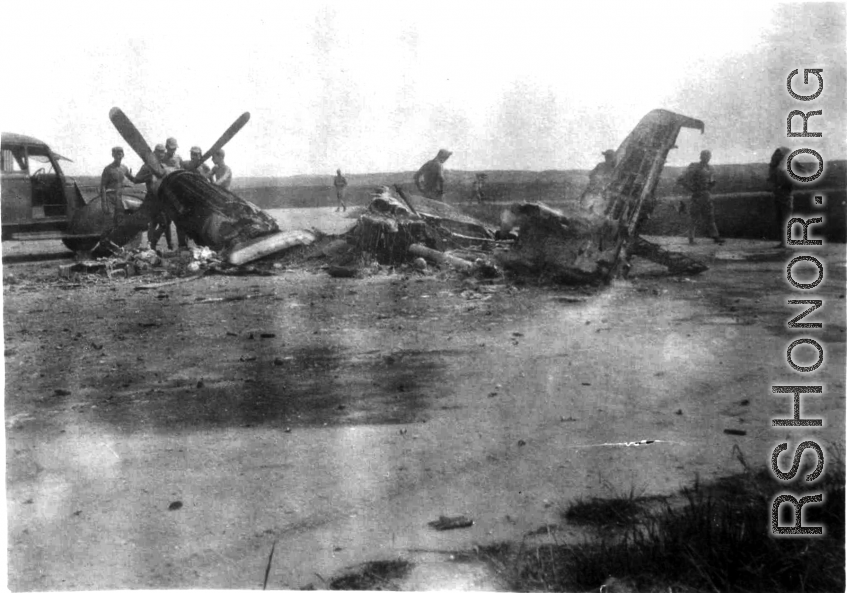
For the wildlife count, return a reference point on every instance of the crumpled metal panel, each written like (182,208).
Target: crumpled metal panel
(628,197)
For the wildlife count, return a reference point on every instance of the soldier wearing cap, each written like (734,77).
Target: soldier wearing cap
(112,183)
(699,179)
(601,174)
(221,174)
(340,183)
(430,177)
(202,168)
(172,159)
(599,177)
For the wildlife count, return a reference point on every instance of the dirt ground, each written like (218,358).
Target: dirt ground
(169,438)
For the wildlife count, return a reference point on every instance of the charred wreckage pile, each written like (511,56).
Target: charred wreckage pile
(592,242)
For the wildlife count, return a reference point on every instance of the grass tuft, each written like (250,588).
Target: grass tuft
(381,575)
(713,537)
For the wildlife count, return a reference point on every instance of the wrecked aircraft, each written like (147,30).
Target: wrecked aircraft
(208,214)
(596,238)
(590,241)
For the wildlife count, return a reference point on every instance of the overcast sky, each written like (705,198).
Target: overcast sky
(372,87)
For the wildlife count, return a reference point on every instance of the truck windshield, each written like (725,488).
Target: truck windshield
(14,160)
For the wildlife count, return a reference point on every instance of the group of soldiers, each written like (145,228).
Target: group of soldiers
(698,178)
(112,183)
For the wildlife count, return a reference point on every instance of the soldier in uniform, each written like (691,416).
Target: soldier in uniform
(159,223)
(699,179)
(172,159)
(600,174)
(112,183)
(202,168)
(477,187)
(221,174)
(340,184)
(430,177)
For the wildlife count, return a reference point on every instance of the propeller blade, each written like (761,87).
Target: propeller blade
(226,137)
(136,141)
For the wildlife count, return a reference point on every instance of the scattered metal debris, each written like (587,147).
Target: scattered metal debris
(457,522)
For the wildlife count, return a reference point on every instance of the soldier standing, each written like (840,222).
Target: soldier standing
(159,222)
(340,184)
(202,168)
(600,174)
(598,178)
(430,177)
(221,174)
(477,187)
(112,183)
(172,159)
(699,179)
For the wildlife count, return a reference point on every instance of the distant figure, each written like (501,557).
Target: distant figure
(601,174)
(477,187)
(699,180)
(432,173)
(159,222)
(782,187)
(112,183)
(172,159)
(221,174)
(598,178)
(340,184)
(196,155)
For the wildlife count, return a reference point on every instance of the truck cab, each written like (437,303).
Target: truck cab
(36,195)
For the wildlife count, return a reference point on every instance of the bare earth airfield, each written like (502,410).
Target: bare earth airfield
(525,380)
(173,437)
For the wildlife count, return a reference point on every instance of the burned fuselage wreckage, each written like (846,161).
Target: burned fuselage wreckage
(595,238)
(589,241)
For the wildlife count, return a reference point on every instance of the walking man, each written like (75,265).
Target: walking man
(430,177)
(699,179)
(112,183)
(221,174)
(477,187)
(340,188)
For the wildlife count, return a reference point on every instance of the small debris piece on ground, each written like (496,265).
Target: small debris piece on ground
(175,506)
(734,431)
(61,392)
(444,523)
